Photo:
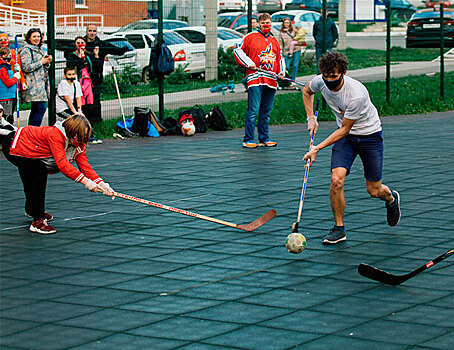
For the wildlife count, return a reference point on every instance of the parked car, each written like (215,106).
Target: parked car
(307,19)
(233,20)
(226,37)
(146,24)
(423,29)
(310,5)
(190,56)
(231,5)
(121,62)
(433,3)
(269,6)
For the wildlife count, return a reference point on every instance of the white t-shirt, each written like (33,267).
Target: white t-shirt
(352,102)
(66,89)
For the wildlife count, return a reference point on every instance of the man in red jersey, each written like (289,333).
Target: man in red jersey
(260,49)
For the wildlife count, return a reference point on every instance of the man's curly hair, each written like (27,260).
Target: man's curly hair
(332,60)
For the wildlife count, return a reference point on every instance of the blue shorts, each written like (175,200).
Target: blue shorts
(368,147)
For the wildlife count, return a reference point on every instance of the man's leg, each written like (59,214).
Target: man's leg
(318,54)
(266,105)
(371,153)
(336,194)
(254,98)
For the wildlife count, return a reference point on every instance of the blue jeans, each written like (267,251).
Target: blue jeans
(296,61)
(260,103)
(37,112)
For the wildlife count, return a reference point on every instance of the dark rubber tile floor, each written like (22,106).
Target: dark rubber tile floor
(122,275)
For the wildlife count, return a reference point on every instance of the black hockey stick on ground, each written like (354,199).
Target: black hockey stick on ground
(280,78)
(388,278)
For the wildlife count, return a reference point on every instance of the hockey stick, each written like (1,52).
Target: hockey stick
(306,175)
(281,78)
(128,132)
(248,227)
(388,278)
(18,85)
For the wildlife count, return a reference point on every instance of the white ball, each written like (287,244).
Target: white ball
(295,243)
(188,128)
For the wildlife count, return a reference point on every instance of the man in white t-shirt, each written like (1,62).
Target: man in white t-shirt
(69,95)
(359,133)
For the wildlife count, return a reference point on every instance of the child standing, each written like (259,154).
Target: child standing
(8,84)
(69,93)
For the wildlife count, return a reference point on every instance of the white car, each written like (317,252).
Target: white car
(190,56)
(307,19)
(227,38)
(231,5)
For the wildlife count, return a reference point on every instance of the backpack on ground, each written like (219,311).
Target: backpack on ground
(165,62)
(198,115)
(172,126)
(216,120)
(140,122)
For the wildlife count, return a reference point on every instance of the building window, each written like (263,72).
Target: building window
(80,4)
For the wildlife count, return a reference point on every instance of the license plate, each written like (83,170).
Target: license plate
(431,25)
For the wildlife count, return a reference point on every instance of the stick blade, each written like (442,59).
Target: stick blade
(258,222)
(295,227)
(380,275)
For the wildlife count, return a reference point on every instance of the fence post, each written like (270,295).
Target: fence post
(388,49)
(442,57)
(51,51)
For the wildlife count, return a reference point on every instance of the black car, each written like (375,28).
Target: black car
(311,5)
(332,7)
(423,29)
(403,9)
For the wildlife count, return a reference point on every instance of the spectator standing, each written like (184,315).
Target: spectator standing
(104,49)
(291,49)
(331,36)
(35,65)
(15,58)
(260,50)
(80,58)
(8,84)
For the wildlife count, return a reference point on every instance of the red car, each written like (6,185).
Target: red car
(433,3)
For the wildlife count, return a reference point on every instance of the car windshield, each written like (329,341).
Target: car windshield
(280,18)
(171,38)
(225,21)
(139,25)
(120,43)
(225,35)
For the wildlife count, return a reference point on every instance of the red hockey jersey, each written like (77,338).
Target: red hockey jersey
(265,52)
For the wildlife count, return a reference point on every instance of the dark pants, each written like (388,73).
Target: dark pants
(93,112)
(318,54)
(33,174)
(37,111)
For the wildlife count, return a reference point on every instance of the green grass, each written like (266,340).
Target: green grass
(410,95)
(229,70)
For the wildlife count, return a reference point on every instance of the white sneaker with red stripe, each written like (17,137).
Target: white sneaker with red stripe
(41,226)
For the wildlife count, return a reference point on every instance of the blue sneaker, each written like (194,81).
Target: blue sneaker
(393,211)
(268,143)
(336,235)
(249,144)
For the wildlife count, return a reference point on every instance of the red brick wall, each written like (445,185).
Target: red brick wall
(116,13)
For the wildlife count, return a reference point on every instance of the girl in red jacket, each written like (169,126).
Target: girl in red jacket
(39,151)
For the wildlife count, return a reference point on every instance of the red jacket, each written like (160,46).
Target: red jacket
(41,142)
(264,52)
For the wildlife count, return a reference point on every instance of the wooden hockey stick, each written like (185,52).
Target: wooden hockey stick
(248,227)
